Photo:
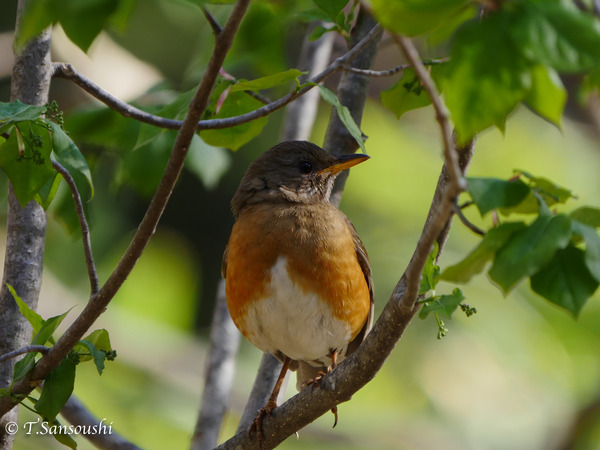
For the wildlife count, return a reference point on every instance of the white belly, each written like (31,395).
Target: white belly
(294,322)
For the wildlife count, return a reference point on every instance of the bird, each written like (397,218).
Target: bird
(298,280)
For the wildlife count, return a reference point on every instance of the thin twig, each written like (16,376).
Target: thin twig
(474,228)
(22,351)
(392,71)
(85,230)
(216,26)
(66,71)
(456,183)
(98,303)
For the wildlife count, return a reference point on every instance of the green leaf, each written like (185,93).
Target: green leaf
(493,193)
(592,247)
(587,215)
(408,93)
(556,34)
(99,339)
(25,158)
(551,192)
(32,317)
(58,387)
(331,7)
(431,272)
(268,81)
(47,193)
(412,17)
(486,77)
(69,156)
(97,355)
(475,261)
(530,249)
(443,305)
(565,280)
(48,328)
(344,115)
(63,437)
(23,366)
(17,112)
(235,104)
(84,20)
(547,96)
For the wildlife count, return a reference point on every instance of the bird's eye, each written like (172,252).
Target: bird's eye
(305,167)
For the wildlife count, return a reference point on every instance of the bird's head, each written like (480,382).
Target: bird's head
(291,172)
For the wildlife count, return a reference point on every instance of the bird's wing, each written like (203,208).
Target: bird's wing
(363,261)
(224,262)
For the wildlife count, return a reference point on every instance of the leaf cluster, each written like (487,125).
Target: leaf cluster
(558,252)
(59,384)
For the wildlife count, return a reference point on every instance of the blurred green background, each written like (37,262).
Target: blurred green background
(520,374)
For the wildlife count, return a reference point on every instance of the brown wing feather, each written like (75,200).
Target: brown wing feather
(363,261)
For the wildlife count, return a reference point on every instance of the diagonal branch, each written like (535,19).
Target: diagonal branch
(98,303)
(85,230)
(66,71)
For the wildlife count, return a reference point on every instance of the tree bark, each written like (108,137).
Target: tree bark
(26,227)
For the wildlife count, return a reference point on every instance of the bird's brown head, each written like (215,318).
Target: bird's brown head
(291,172)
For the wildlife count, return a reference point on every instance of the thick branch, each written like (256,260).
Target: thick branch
(25,227)
(63,70)
(98,303)
(85,230)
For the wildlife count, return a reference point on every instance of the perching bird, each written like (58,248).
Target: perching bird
(298,280)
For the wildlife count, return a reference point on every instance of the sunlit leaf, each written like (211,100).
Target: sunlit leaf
(557,34)
(487,76)
(547,96)
(413,17)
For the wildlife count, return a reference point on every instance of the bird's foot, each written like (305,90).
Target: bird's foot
(314,382)
(256,426)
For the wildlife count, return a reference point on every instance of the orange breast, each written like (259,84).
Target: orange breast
(320,256)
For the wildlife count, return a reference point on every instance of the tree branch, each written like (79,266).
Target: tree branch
(77,414)
(22,351)
(66,71)
(393,70)
(25,227)
(85,230)
(220,364)
(98,303)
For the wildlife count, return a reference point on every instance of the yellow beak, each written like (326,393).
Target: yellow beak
(345,162)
